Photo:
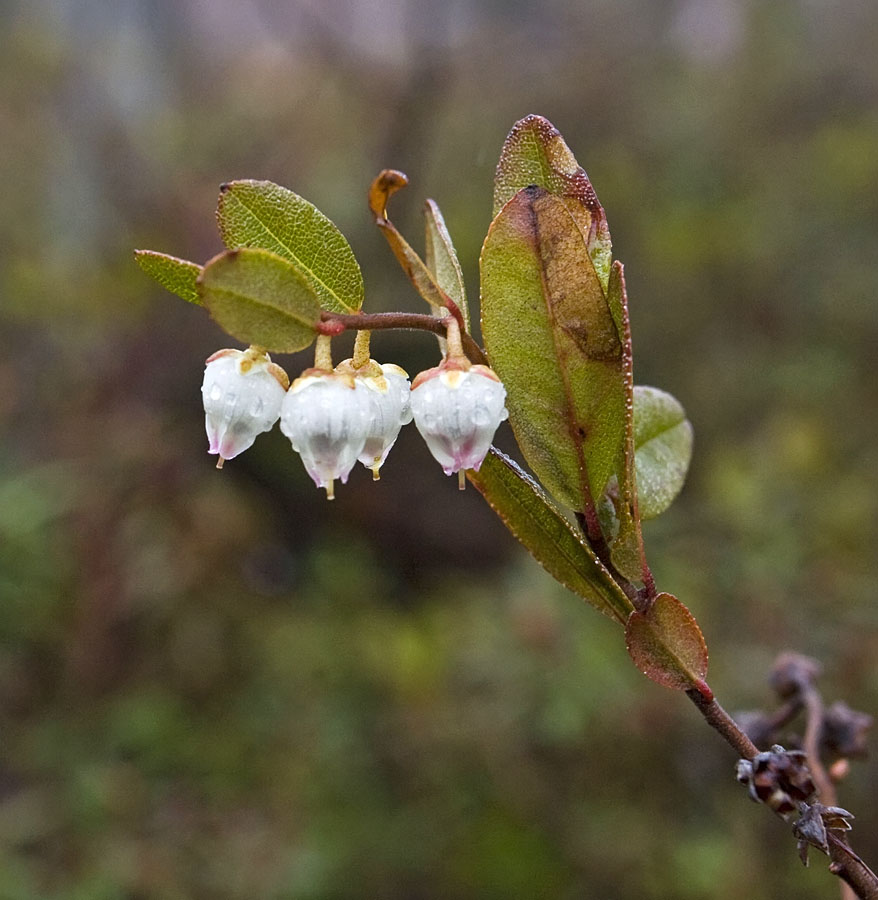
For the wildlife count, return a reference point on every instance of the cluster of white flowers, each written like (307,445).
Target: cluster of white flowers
(334,418)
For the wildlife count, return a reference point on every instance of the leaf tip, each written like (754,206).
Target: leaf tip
(225,186)
(141,257)
(536,122)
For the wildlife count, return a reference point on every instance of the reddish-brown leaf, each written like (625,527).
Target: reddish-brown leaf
(667,645)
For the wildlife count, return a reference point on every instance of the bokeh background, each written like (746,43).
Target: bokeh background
(216,684)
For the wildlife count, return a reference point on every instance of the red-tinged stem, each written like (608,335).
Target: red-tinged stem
(857,879)
(721,721)
(648,581)
(335,323)
(598,543)
(856,876)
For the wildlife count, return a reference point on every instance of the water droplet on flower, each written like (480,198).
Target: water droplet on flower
(481,417)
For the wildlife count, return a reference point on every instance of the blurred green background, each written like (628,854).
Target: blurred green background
(217,685)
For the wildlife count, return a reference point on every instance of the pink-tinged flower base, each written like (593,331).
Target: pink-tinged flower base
(327,422)
(457,412)
(242,393)
(389,409)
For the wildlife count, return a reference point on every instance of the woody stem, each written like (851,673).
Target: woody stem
(335,323)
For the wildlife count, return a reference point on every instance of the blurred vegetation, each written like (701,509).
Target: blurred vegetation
(217,685)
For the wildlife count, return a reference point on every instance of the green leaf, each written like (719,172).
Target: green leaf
(176,275)
(441,259)
(260,298)
(627,548)
(658,450)
(535,153)
(663,449)
(667,645)
(531,516)
(553,341)
(263,214)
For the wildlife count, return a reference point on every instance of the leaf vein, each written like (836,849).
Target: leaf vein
(316,278)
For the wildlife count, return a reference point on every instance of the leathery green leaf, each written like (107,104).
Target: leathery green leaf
(264,214)
(667,645)
(660,446)
(260,298)
(663,449)
(179,276)
(553,341)
(441,259)
(531,516)
(627,547)
(535,153)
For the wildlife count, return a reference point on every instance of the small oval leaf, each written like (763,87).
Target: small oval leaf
(667,645)
(260,298)
(663,449)
(179,276)
(264,214)
(532,518)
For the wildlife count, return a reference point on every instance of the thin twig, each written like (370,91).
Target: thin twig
(845,863)
(783,715)
(721,721)
(813,704)
(856,876)
(336,323)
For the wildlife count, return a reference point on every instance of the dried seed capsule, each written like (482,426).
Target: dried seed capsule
(457,411)
(327,421)
(242,392)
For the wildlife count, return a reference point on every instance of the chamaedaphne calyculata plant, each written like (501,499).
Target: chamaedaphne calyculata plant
(605,454)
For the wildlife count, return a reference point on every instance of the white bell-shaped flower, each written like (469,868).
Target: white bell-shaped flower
(327,421)
(457,411)
(242,392)
(389,409)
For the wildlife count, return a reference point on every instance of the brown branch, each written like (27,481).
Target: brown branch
(336,323)
(721,721)
(783,715)
(854,873)
(787,781)
(813,704)
(858,880)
